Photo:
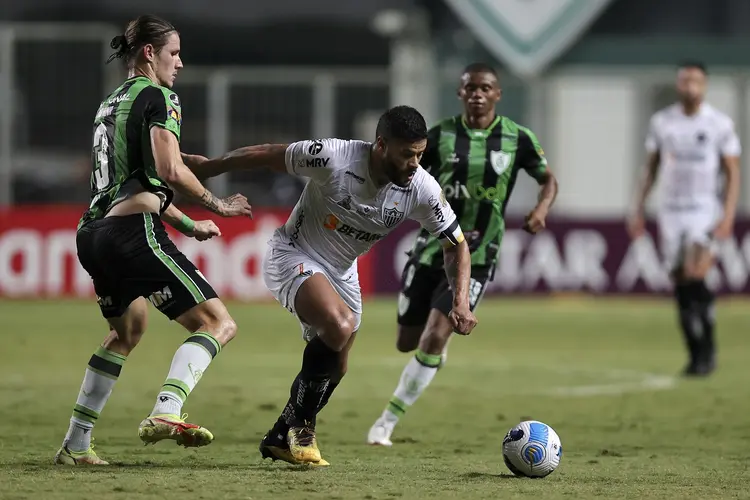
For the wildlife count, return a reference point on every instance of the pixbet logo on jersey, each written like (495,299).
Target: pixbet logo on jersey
(333,223)
(476,192)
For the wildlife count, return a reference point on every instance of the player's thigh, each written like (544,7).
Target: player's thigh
(97,246)
(326,306)
(418,284)
(319,305)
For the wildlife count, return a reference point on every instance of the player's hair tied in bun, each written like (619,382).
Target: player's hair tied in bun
(120,44)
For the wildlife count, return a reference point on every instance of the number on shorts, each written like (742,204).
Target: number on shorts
(102,177)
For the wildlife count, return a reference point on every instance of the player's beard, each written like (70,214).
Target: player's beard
(393,174)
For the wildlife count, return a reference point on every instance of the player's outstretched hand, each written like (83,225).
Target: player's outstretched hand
(535,221)
(462,319)
(234,205)
(204,230)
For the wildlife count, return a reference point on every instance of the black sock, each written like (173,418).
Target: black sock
(704,300)
(689,318)
(319,363)
(280,428)
(326,396)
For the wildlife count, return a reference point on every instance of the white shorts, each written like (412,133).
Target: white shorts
(679,229)
(285,268)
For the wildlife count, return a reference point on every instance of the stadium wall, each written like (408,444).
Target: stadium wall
(38,257)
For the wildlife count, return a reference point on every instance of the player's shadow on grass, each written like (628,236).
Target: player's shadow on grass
(486,475)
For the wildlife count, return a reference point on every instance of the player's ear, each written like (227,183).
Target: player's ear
(149,52)
(380,143)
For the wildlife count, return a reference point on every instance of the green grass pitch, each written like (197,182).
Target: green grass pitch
(599,371)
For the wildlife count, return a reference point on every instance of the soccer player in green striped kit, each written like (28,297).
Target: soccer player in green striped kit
(476,158)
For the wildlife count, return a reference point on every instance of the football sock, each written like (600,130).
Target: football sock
(280,428)
(689,318)
(419,372)
(188,365)
(101,374)
(319,363)
(704,300)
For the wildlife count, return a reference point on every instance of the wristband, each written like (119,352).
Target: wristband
(186,224)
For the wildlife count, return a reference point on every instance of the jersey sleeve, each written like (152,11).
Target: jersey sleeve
(653,142)
(530,155)
(435,214)
(162,109)
(431,157)
(729,142)
(316,159)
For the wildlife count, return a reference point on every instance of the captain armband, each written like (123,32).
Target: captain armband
(452,236)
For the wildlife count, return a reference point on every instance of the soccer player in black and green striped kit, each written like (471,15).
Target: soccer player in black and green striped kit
(136,166)
(476,157)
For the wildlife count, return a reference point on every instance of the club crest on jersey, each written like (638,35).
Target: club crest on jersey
(392,216)
(174,99)
(499,161)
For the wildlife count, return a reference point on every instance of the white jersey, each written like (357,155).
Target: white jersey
(690,148)
(341,214)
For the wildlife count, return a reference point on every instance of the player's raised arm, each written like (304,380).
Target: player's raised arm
(730,150)
(435,214)
(530,157)
(636,220)
(310,158)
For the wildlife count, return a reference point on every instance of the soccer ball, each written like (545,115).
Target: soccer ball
(532,449)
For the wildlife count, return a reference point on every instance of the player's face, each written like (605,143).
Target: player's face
(401,159)
(479,92)
(691,85)
(167,61)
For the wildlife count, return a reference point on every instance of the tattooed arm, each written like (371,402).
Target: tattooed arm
(172,170)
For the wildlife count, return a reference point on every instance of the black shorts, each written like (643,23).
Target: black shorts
(424,288)
(132,256)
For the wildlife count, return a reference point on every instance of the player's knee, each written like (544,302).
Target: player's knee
(226,330)
(211,316)
(339,327)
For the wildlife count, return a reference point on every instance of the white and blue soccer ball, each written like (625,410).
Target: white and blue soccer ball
(532,449)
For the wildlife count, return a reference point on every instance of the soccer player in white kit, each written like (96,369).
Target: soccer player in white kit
(357,193)
(689,144)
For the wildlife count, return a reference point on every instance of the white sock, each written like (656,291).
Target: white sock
(101,374)
(188,365)
(417,375)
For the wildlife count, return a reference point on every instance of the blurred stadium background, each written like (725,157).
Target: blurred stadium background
(584,74)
